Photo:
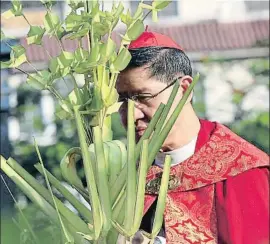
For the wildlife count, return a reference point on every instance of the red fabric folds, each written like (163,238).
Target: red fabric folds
(219,195)
(243,208)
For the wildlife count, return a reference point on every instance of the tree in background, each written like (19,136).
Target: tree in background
(253,124)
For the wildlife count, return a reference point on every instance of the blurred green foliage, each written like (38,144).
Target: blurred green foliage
(254,125)
(15,230)
(255,130)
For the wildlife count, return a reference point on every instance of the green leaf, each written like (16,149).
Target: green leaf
(85,94)
(54,67)
(159,5)
(107,50)
(112,58)
(65,59)
(65,104)
(95,53)
(107,16)
(131,168)
(95,10)
(35,35)
(41,80)
(62,64)
(97,103)
(146,6)
(17,51)
(135,30)
(119,10)
(81,55)
(53,25)
(139,13)
(3,37)
(48,3)
(141,187)
(72,21)
(94,120)
(109,96)
(122,60)
(84,68)
(75,4)
(80,32)
(101,28)
(107,134)
(154,16)
(74,98)
(16,7)
(101,75)
(126,18)
(123,150)
(116,13)
(90,176)
(102,180)
(82,209)
(69,216)
(79,96)
(63,115)
(110,47)
(5,64)
(35,81)
(113,98)
(16,10)
(17,56)
(161,202)
(113,108)
(83,61)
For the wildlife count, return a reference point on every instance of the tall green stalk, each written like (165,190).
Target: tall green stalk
(90,179)
(131,169)
(102,180)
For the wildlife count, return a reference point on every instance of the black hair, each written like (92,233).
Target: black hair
(163,63)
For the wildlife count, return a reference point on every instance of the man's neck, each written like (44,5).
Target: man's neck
(185,129)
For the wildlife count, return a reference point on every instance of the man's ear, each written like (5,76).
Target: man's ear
(185,82)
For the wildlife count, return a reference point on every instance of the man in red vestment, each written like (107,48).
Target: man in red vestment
(219,188)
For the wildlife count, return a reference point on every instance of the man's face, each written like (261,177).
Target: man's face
(137,81)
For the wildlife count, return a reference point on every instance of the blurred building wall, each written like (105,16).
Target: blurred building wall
(238,24)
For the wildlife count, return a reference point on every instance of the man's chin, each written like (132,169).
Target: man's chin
(137,138)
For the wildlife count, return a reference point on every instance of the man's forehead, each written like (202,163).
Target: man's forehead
(136,80)
(131,87)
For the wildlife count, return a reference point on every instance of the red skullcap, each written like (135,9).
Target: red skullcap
(153,39)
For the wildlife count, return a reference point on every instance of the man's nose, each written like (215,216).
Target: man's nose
(138,113)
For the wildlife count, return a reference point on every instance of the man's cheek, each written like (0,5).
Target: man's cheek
(123,117)
(124,122)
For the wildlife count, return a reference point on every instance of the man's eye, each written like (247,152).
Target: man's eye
(142,97)
(122,99)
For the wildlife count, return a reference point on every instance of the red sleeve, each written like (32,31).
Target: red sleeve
(242,204)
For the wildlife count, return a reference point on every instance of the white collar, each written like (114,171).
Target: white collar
(178,155)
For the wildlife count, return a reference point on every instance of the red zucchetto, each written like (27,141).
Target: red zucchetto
(153,39)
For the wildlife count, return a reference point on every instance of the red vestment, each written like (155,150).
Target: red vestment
(219,195)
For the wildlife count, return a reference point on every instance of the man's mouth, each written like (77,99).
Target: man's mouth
(140,131)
